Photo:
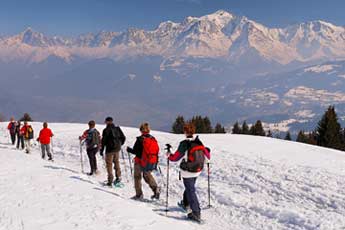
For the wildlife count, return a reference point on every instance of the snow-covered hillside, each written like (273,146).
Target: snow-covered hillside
(257,183)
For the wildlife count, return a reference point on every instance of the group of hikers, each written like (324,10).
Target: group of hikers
(146,150)
(24,134)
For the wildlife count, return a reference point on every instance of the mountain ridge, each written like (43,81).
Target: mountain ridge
(217,35)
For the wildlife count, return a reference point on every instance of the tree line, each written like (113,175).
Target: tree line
(328,132)
(202,125)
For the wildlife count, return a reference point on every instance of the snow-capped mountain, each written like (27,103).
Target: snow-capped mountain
(218,35)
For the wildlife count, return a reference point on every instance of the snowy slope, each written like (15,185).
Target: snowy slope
(257,183)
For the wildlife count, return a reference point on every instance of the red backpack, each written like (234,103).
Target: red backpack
(149,157)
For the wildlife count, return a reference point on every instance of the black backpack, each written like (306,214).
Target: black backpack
(117,139)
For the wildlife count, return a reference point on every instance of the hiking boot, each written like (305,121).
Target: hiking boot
(156,194)
(138,197)
(117,180)
(90,174)
(50,159)
(109,184)
(194,217)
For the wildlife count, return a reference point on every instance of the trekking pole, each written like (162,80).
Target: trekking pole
(168,149)
(124,162)
(162,176)
(52,145)
(209,185)
(130,163)
(81,156)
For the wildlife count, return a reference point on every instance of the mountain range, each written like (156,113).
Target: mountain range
(224,64)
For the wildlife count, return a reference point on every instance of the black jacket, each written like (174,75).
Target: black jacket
(112,139)
(138,148)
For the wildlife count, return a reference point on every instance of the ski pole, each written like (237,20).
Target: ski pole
(52,145)
(81,156)
(162,176)
(124,162)
(168,148)
(209,185)
(130,163)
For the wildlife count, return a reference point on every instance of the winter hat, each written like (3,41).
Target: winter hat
(109,119)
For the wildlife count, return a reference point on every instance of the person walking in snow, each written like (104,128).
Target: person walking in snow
(142,165)
(12,130)
(20,137)
(28,134)
(112,140)
(45,138)
(93,142)
(193,153)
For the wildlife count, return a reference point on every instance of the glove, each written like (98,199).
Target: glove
(129,149)
(208,149)
(183,165)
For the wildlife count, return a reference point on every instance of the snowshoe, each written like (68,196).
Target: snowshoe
(118,183)
(157,194)
(185,208)
(138,198)
(195,217)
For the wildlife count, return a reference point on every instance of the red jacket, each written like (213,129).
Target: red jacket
(12,127)
(45,135)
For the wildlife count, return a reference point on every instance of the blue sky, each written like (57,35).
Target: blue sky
(72,17)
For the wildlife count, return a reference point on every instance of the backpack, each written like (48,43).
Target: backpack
(196,156)
(29,133)
(117,139)
(149,157)
(12,128)
(93,139)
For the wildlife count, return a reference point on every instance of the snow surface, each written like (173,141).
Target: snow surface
(257,183)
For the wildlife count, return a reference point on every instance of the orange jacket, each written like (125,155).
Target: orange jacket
(45,135)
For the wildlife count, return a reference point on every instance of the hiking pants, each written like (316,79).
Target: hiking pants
(91,153)
(189,196)
(27,144)
(46,148)
(20,141)
(13,138)
(148,178)
(111,158)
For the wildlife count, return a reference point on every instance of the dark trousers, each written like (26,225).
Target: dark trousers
(91,153)
(20,141)
(189,196)
(13,138)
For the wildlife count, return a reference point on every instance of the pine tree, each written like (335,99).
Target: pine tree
(207,125)
(177,127)
(301,137)
(236,129)
(257,129)
(245,128)
(328,130)
(269,133)
(26,117)
(312,138)
(288,136)
(219,128)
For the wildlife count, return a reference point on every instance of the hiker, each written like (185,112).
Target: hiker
(144,164)
(93,141)
(191,167)
(20,137)
(28,134)
(12,129)
(45,138)
(112,140)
